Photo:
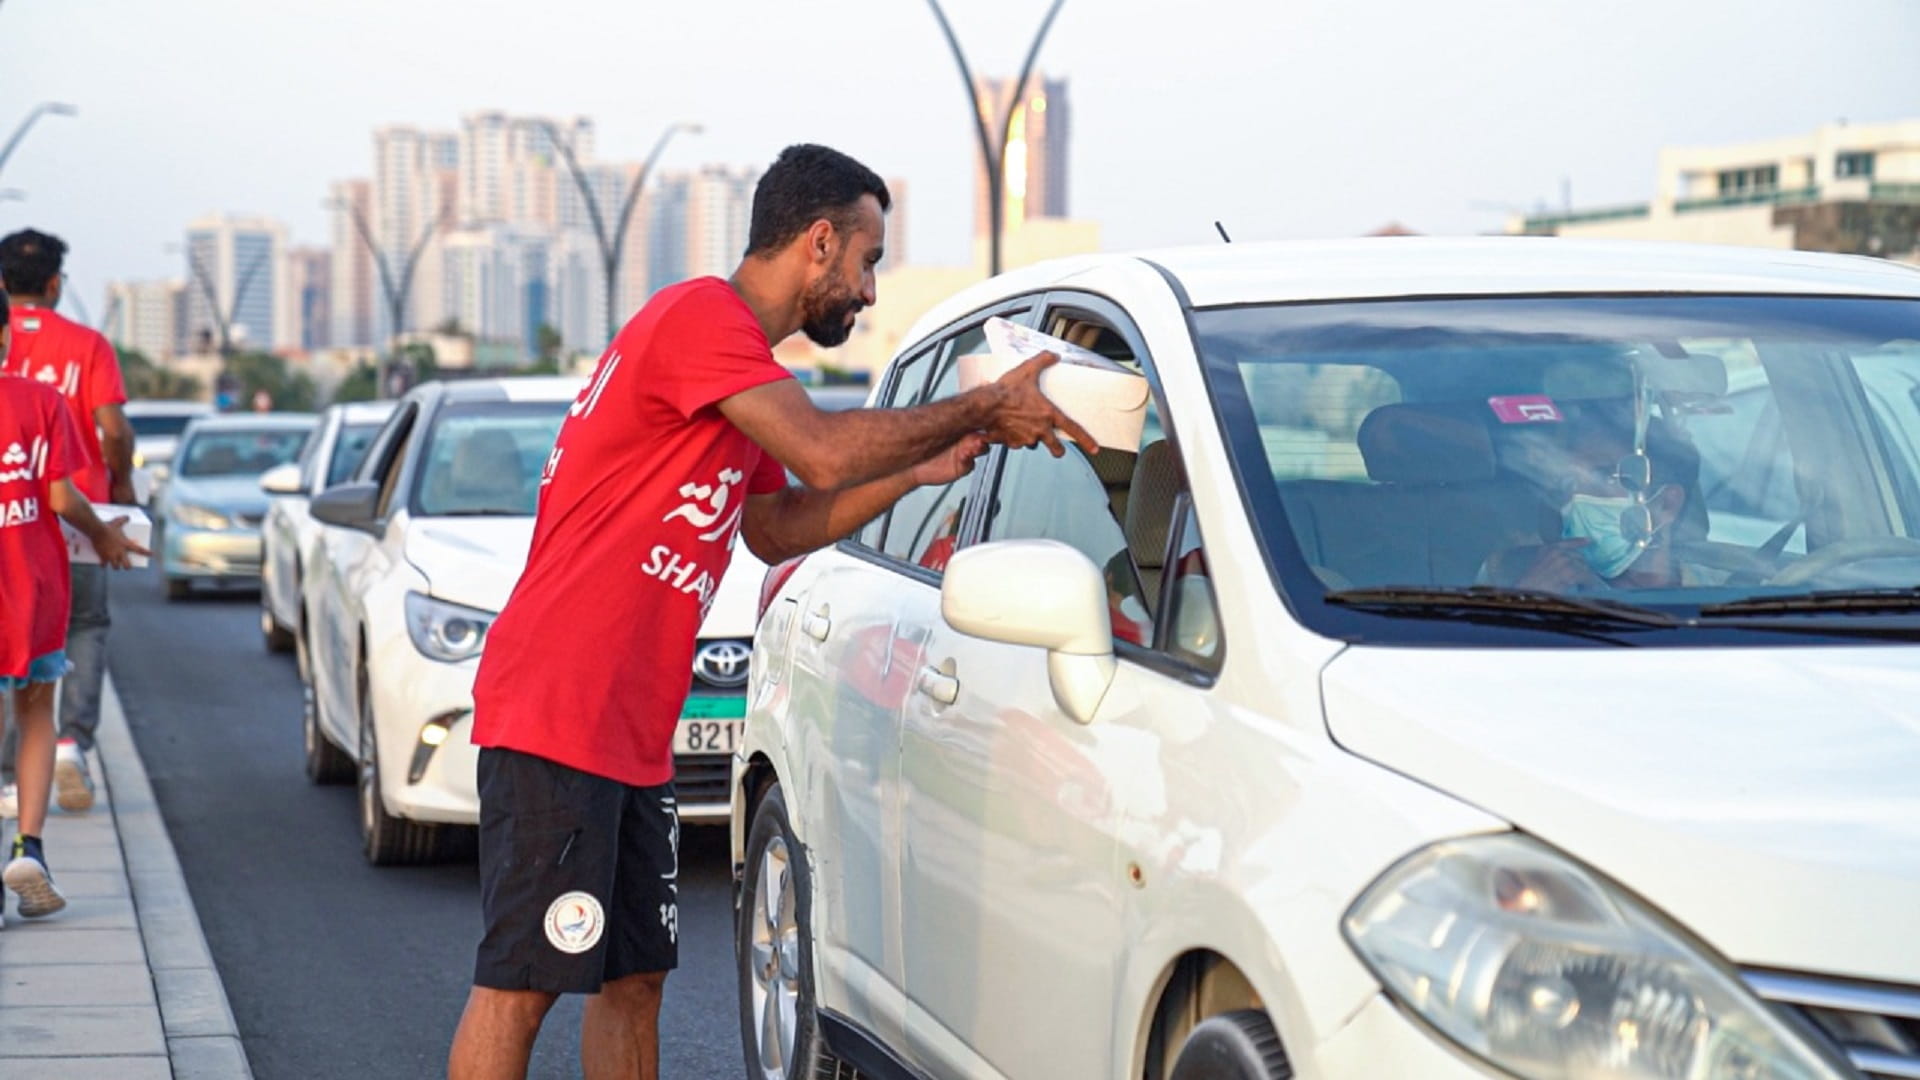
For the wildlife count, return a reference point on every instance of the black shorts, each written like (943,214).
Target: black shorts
(577,876)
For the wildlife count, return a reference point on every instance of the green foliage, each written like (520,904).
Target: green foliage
(256,371)
(549,345)
(147,380)
(420,355)
(361,384)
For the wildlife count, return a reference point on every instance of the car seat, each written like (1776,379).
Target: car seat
(486,473)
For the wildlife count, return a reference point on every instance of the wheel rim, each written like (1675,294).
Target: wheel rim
(369,767)
(774,958)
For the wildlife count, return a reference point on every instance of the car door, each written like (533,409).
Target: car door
(1014,885)
(332,588)
(851,672)
(287,523)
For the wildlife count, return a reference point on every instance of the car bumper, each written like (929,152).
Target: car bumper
(230,554)
(1382,1040)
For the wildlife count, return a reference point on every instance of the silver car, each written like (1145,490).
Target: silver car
(209,518)
(157,426)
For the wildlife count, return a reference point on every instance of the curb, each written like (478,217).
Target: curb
(203,1042)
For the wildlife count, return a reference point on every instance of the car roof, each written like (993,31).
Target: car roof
(364,412)
(157,407)
(272,421)
(1420,266)
(515,388)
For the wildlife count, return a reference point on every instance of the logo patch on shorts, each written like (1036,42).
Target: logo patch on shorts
(575,922)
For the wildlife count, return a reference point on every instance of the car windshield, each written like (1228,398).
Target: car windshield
(348,450)
(240,451)
(1675,453)
(485,460)
(150,424)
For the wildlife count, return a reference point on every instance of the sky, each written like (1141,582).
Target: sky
(1281,118)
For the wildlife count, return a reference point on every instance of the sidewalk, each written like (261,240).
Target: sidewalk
(120,985)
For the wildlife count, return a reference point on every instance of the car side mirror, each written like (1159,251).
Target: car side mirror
(1042,593)
(282,480)
(350,506)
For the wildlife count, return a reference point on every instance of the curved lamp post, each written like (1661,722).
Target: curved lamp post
(394,288)
(993,158)
(612,244)
(55,108)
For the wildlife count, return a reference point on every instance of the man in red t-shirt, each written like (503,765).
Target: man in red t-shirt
(40,450)
(679,444)
(79,363)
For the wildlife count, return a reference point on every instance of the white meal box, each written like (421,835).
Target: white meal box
(138,527)
(1105,398)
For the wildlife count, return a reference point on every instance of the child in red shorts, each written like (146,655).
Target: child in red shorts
(39,449)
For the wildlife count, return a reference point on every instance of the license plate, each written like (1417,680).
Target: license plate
(710,725)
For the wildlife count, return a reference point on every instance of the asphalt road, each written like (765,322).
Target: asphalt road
(336,968)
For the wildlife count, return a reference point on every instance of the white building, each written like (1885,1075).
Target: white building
(415,176)
(1845,188)
(239,263)
(495,278)
(146,316)
(508,164)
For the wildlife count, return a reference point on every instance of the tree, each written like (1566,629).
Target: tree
(257,371)
(549,345)
(145,379)
(420,356)
(361,384)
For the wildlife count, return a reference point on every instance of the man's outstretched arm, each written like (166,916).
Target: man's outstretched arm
(797,520)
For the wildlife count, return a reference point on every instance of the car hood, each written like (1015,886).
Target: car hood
(473,561)
(227,494)
(1767,798)
(154,449)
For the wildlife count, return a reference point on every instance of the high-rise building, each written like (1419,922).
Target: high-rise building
(699,222)
(508,166)
(353,293)
(896,253)
(1036,154)
(414,175)
(240,264)
(310,271)
(496,283)
(145,315)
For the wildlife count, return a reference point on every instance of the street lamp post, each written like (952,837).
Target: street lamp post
(993,159)
(56,108)
(395,290)
(223,319)
(612,245)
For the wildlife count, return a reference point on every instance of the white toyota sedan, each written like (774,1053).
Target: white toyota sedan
(419,552)
(289,537)
(1399,706)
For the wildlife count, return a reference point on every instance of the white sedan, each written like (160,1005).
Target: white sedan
(1393,708)
(290,537)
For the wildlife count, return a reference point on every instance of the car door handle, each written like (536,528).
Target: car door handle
(817,625)
(939,686)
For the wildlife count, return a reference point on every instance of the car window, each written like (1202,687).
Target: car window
(1193,616)
(349,449)
(240,452)
(146,425)
(386,445)
(923,528)
(1746,463)
(910,376)
(310,460)
(395,465)
(486,460)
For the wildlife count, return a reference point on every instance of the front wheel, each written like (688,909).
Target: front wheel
(326,763)
(773,946)
(386,840)
(1238,1045)
(278,638)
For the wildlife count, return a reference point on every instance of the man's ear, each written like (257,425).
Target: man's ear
(820,241)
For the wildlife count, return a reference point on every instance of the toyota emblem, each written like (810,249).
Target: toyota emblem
(722,663)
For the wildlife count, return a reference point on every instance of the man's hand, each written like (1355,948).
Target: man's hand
(1023,416)
(1559,567)
(950,464)
(115,549)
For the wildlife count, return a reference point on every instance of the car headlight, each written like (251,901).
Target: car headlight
(195,516)
(443,631)
(1545,970)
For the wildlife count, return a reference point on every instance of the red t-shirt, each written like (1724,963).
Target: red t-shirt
(590,663)
(81,365)
(38,447)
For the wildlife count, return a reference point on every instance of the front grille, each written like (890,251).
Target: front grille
(1876,1024)
(702,778)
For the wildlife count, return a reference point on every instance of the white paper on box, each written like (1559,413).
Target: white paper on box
(1105,398)
(138,528)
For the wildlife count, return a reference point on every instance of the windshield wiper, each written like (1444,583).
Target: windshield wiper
(1843,601)
(1439,601)
(493,512)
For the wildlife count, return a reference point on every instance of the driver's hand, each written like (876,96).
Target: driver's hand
(1559,567)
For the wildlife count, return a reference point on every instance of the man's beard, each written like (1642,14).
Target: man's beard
(827,322)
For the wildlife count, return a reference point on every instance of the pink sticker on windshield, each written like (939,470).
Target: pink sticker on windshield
(1526,409)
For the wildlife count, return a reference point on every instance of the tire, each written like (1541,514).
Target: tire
(278,638)
(326,763)
(774,955)
(385,840)
(179,588)
(1232,1046)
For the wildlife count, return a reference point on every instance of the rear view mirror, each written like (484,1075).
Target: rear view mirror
(1042,593)
(350,506)
(282,480)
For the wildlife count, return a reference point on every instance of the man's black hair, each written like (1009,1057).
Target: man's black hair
(807,183)
(6,309)
(29,261)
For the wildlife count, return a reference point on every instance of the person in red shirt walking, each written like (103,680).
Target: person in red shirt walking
(40,451)
(82,366)
(679,444)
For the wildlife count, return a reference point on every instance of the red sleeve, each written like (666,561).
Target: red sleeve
(104,384)
(768,476)
(709,348)
(66,454)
